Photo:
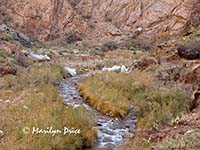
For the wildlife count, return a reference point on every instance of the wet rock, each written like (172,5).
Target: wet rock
(109,132)
(107,139)
(1,134)
(7,70)
(109,146)
(99,124)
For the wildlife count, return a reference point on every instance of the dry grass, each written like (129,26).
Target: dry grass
(188,141)
(40,106)
(121,57)
(113,93)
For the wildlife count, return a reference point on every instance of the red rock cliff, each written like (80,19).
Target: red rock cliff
(97,20)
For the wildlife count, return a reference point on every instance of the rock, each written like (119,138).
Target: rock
(143,63)
(71,71)
(109,146)
(107,139)
(108,131)
(189,51)
(23,36)
(124,69)
(196,97)
(55,18)
(3,28)
(7,70)
(193,76)
(1,134)
(20,37)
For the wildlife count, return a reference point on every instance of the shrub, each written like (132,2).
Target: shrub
(74,2)
(6,37)
(72,37)
(144,43)
(109,46)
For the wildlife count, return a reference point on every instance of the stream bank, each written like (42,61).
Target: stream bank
(112,132)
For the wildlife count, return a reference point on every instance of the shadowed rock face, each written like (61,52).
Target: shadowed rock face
(96,21)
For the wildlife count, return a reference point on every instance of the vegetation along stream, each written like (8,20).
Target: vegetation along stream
(112,132)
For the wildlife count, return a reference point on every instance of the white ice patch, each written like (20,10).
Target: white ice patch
(71,71)
(116,68)
(39,57)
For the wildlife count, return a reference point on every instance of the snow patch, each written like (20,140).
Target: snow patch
(71,71)
(116,69)
(38,56)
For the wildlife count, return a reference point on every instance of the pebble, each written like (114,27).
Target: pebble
(1,134)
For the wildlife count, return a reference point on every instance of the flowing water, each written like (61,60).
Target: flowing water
(112,132)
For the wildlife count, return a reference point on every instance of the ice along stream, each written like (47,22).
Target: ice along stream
(112,132)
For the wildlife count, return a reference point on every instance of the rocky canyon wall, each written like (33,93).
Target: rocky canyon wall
(97,21)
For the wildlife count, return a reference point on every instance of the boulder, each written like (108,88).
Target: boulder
(143,63)
(18,36)
(189,51)
(7,70)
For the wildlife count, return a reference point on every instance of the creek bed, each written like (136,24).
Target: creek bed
(112,132)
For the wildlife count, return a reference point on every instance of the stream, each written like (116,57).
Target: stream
(112,132)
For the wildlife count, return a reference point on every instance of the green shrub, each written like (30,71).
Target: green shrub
(6,37)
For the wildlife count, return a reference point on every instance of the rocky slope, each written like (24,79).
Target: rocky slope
(98,21)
